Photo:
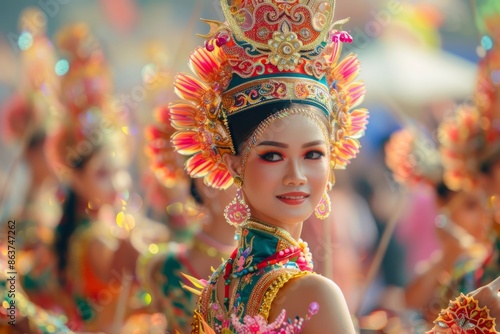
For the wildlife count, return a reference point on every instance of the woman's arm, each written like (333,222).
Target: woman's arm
(296,296)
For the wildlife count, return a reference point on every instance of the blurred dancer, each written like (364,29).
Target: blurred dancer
(162,273)
(26,122)
(470,141)
(462,227)
(94,267)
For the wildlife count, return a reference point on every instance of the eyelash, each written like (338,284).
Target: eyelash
(267,156)
(321,154)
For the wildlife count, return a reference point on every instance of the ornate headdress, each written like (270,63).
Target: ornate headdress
(266,53)
(463,138)
(25,115)
(471,137)
(89,119)
(413,157)
(165,163)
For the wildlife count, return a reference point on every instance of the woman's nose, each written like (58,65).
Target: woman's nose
(294,174)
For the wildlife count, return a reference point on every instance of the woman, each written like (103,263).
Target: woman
(260,85)
(25,123)
(94,266)
(462,227)
(163,273)
(470,142)
(271,110)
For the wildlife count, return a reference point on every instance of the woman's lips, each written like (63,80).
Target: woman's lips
(293,198)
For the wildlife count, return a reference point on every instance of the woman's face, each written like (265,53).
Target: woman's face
(468,210)
(287,171)
(98,181)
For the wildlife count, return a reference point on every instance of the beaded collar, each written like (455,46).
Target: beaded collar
(260,243)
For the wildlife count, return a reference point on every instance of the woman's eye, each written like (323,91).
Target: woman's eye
(271,157)
(314,155)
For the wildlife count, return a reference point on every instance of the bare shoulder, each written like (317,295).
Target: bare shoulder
(296,296)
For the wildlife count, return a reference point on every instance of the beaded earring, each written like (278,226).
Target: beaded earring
(237,211)
(324,207)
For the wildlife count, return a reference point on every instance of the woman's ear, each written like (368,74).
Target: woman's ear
(233,164)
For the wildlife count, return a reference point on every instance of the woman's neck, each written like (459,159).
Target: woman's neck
(275,235)
(295,230)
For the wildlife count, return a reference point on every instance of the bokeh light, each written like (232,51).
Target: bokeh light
(25,41)
(62,67)
(487,42)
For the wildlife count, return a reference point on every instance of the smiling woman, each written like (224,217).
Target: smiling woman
(272,109)
(285,175)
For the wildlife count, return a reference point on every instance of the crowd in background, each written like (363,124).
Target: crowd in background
(107,223)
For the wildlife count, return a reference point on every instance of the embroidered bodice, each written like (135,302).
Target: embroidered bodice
(267,257)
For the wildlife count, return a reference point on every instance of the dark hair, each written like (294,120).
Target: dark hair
(67,225)
(68,222)
(195,193)
(243,124)
(36,140)
(486,165)
(444,194)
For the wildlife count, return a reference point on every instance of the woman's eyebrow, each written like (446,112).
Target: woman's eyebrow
(272,143)
(313,143)
(283,145)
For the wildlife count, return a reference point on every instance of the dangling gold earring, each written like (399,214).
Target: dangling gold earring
(237,212)
(324,207)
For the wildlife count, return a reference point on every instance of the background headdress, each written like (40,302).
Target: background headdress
(266,53)
(165,163)
(463,137)
(470,138)
(413,157)
(26,114)
(89,120)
